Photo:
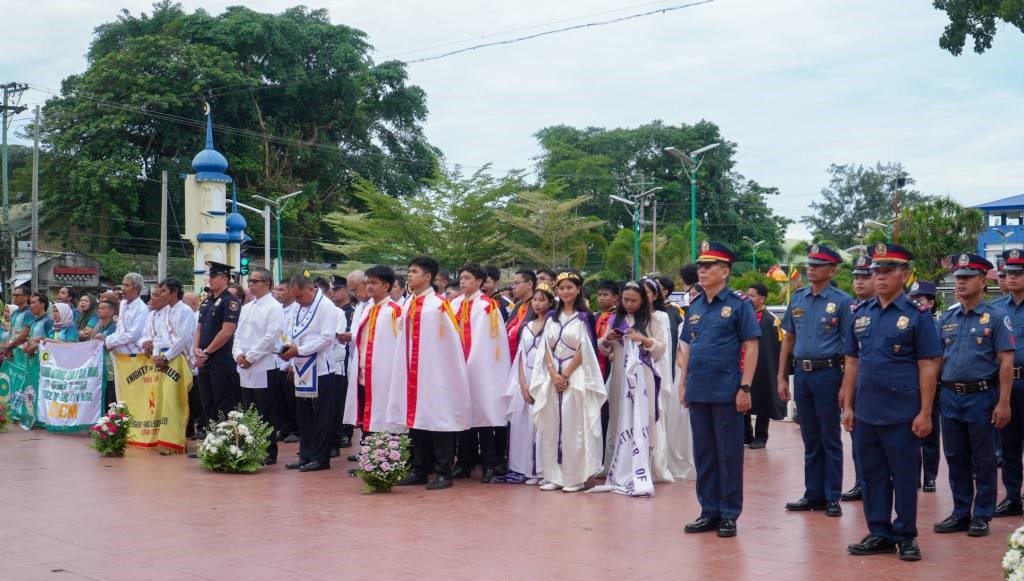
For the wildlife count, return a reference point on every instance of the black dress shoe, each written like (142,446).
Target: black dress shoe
(978,528)
(872,545)
(353,458)
(804,504)
(440,482)
(832,508)
(1009,507)
(909,551)
(704,524)
(290,439)
(314,466)
(270,461)
(852,494)
(346,442)
(462,472)
(296,464)
(757,445)
(928,486)
(727,528)
(335,452)
(487,477)
(352,472)
(192,455)
(411,479)
(953,524)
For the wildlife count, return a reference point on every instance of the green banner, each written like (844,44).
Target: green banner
(19,377)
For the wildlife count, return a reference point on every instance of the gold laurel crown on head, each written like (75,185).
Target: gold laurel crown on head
(543,286)
(569,276)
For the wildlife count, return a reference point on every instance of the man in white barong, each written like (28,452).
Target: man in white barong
(485,345)
(310,350)
(131,320)
(254,351)
(430,389)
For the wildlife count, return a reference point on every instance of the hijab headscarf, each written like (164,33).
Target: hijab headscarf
(67,318)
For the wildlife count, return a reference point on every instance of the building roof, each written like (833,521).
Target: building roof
(1010,203)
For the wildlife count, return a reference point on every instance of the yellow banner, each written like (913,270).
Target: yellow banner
(158,400)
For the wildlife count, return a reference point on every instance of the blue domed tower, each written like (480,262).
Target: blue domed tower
(214,233)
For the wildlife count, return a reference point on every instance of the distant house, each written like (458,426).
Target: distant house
(1004,227)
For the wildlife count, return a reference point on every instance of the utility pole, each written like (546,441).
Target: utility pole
(35,203)
(161,269)
(11,91)
(654,236)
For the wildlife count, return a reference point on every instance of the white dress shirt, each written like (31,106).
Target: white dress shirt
(312,330)
(177,328)
(257,335)
(131,321)
(154,325)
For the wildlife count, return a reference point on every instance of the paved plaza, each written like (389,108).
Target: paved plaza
(69,514)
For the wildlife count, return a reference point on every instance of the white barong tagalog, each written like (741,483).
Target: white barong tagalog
(569,423)
(523,440)
(373,351)
(429,386)
(629,466)
(259,328)
(487,358)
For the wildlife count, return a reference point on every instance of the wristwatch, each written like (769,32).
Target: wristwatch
(744,388)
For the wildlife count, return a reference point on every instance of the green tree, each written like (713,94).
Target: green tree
(548,231)
(453,220)
(978,18)
(855,194)
(935,229)
(297,100)
(599,163)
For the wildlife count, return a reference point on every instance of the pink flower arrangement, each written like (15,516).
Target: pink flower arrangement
(110,432)
(383,461)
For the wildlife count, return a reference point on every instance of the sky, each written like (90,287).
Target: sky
(796,84)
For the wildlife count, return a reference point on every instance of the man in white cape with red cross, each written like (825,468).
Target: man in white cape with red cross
(429,389)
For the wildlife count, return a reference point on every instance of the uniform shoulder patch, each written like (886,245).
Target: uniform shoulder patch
(919,306)
(953,308)
(740,295)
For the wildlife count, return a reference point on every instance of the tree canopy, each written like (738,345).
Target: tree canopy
(297,103)
(979,19)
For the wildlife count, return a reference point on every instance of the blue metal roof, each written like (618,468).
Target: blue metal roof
(1011,203)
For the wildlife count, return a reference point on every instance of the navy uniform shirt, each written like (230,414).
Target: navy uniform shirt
(888,343)
(1016,312)
(971,341)
(818,321)
(212,316)
(715,331)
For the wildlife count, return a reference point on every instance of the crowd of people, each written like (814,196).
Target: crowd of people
(527,385)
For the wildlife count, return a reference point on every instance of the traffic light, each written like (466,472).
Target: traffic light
(244,263)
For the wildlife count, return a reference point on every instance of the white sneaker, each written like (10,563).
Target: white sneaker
(576,488)
(532,481)
(549,486)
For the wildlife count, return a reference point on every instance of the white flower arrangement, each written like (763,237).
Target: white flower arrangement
(1013,560)
(236,444)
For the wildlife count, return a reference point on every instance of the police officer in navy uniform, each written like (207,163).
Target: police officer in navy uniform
(924,292)
(1012,435)
(892,352)
(720,327)
(219,387)
(863,289)
(976,382)
(814,323)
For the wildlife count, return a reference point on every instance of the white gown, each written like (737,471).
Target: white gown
(523,440)
(658,440)
(676,417)
(569,423)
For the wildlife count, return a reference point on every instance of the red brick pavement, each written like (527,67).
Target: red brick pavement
(69,514)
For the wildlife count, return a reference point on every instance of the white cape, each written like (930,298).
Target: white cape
(487,358)
(383,332)
(523,440)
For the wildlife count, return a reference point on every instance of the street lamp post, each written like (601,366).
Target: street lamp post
(1004,235)
(279,204)
(690,167)
(634,209)
(754,251)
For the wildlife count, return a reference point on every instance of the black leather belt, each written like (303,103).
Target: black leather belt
(966,387)
(816,364)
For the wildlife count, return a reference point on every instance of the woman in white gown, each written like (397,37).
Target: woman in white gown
(524,445)
(675,418)
(568,392)
(635,449)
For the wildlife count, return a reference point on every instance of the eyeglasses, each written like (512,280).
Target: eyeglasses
(253,281)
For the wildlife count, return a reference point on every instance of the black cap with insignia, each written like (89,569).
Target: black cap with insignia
(215,268)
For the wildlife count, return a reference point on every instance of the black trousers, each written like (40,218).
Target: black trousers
(219,390)
(284,396)
(485,446)
(265,403)
(755,429)
(432,451)
(196,417)
(318,420)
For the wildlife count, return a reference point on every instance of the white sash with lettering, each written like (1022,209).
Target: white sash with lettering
(305,366)
(629,471)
